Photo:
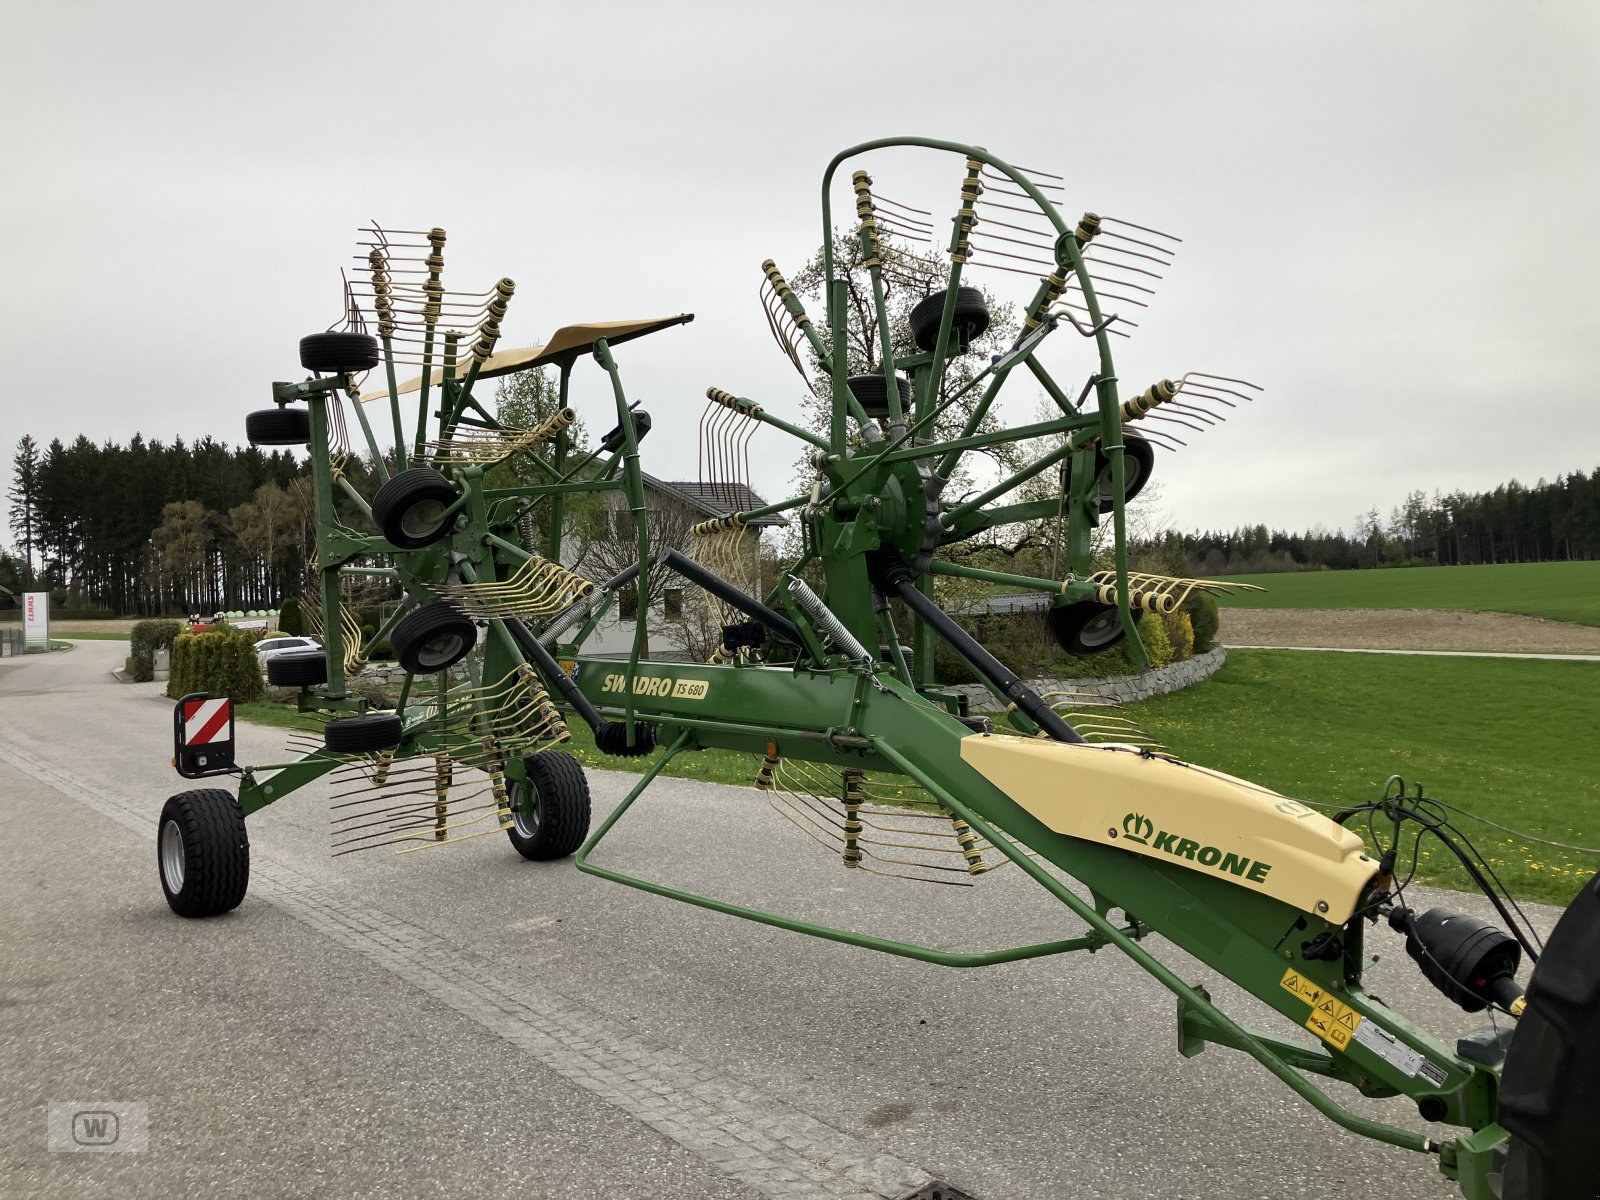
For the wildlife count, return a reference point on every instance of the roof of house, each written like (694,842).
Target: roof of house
(716,499)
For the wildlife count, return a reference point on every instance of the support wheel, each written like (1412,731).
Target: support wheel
(550,809)
(410,508)
(969,322)
(1138,461)
(202,853)
(304,669)
(278,427)
(363,734)
(1085,628)
(434,638)
(1550,1088)
(339,353)
(873,394)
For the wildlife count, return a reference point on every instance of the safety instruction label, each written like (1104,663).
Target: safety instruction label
(1332,1020)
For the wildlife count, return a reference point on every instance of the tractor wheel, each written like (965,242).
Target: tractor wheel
(434,638)
(363,734)
(1085,628)
(550,809)
(278,427)
(970,321)
(302,669)
(410,508)
(202,853)
(1550,1087)
(874,396)
(339,353)
(1138,461)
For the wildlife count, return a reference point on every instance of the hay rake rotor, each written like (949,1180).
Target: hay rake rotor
(851,739)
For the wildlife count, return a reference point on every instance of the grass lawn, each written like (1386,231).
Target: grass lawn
(1567,591)
(1517,742)
(96,636)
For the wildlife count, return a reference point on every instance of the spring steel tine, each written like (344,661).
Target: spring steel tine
(1083,309)
(1108,248)
(921,212)
(1199,413)
(1225,379)
(1046,241)
(1168,251)
(1046,265)
(999,237)
(1199,395)
(1059,185)
(1010,207)
(1164,416)
(1105,295)
(1127,283)
(1171,237)
(1116,266)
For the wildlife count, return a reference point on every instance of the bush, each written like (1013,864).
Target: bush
(1153,633)
(222,663)
(292,618)
(1180,632)
(148,637)
(1204,619)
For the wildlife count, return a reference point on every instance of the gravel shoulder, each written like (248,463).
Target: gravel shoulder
(1405,629)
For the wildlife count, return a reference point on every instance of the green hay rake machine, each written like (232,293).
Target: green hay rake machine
(811,677)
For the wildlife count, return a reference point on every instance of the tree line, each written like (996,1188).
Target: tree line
(1513,523)
(153,527)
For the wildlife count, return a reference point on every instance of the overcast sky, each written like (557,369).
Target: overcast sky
(1390,211)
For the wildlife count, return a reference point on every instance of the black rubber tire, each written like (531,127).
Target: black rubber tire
(303,668)
(363,734)
(557,818)
(885,654)
(209,839)
(970,321)
(1085,628)
(612,738)
(338,353)
(1138,462)
(432,638)
(402,508)
(874,396)
(278,427)
(1550,1087)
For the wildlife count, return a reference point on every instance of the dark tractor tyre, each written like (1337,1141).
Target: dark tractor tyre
(612,738)
(410,508)
(1138,461)
(550,809)
(1550,1087)
(1085,628)
(278,427)
(363,734)
(432,638)
(339,353)
(874,396)
(885,654)
(970,321)
(202,853)
(304,668)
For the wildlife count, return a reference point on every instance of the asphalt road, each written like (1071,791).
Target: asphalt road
(461,1021)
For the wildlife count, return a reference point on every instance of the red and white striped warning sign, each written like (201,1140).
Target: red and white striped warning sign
(206,721)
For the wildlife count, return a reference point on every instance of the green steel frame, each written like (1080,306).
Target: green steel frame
(880,485)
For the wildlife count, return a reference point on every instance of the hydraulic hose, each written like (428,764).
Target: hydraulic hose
(890,575)
(609,736)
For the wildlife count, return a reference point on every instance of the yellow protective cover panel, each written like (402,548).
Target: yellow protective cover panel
(567,340)
(1198,818)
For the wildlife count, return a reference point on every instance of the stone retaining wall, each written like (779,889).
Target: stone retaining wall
(1123,688)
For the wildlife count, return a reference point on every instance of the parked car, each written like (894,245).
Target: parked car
(272,647)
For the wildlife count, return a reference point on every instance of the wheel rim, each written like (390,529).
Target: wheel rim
(525,809)
(422,518)
(1132,471)
(172,857)
(440,651)
(1101,630)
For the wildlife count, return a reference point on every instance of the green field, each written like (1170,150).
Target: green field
(1567,591)
(1515,741)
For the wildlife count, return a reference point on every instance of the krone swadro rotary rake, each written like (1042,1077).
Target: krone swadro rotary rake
(812,678)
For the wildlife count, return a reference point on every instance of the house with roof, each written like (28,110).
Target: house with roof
(673,508)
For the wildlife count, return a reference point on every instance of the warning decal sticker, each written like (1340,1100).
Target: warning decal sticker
(1331,1019)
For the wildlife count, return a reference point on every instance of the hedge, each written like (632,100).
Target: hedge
(147,638)
(222,663)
